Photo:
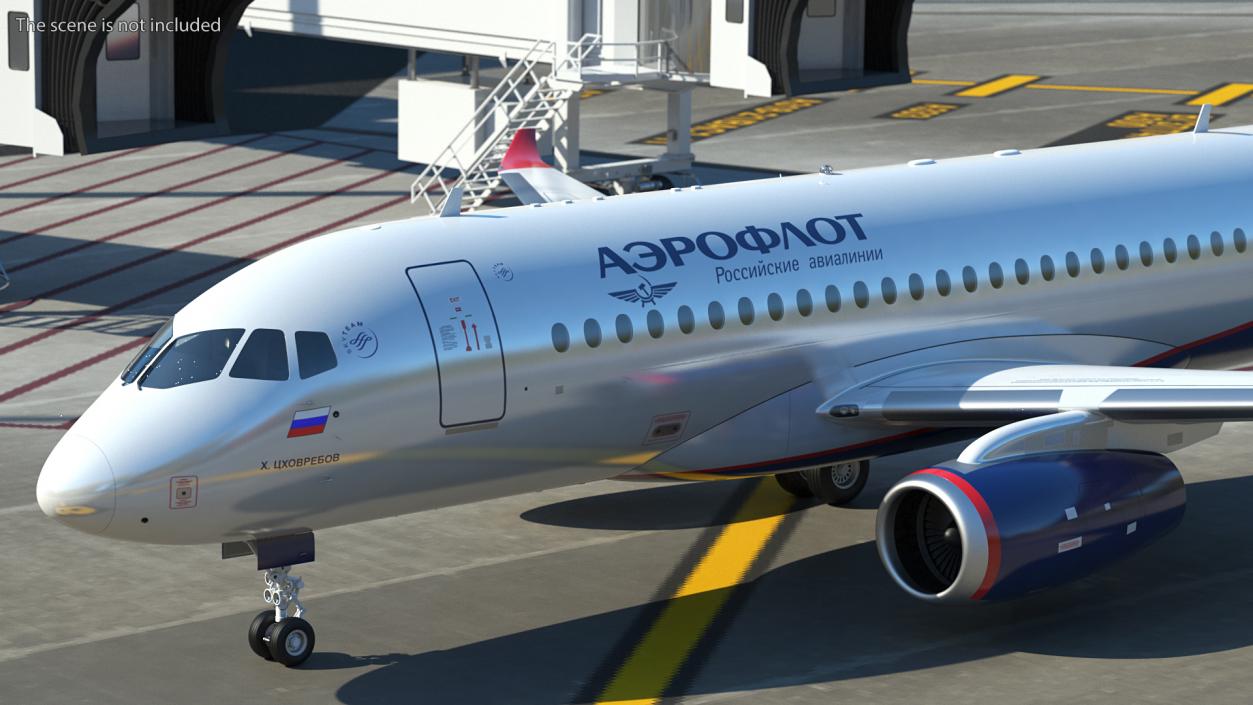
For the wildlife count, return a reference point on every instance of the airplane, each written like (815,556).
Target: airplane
(1072,313)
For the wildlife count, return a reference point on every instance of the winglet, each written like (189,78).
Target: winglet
(523,152)
(1202,120)
(532,179)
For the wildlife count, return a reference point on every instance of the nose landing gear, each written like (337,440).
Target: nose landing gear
(281,634)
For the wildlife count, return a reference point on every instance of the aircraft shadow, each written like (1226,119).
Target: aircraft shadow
(664,508)
(836,616)
(56,273)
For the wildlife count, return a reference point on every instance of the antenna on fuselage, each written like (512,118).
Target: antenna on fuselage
(1202,120)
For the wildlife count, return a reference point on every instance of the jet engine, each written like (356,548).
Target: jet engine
(1004,529)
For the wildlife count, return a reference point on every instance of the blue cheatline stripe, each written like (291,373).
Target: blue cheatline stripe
(311,421)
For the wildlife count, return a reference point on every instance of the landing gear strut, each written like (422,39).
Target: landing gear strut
(281,634)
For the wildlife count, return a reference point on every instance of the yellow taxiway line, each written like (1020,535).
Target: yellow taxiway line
(997,86)
(656,659)
(1223,94)
(1110,89)
(1218,96)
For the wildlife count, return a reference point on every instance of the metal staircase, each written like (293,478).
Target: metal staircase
(524,98)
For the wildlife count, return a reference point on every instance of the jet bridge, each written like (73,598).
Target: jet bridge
(92,84)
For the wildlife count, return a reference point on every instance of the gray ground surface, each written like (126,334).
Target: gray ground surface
(536,599)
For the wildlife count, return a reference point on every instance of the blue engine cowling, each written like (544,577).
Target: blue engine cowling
(954,533)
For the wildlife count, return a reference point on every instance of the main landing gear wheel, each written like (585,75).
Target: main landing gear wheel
(291,641)
(280,633)
(840,483)
(257,633)
(795,484)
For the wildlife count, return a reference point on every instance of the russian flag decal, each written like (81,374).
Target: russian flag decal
(308,422)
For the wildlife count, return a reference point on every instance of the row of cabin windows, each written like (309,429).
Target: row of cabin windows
(624,328)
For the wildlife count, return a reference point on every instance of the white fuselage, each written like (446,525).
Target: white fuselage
(408,434)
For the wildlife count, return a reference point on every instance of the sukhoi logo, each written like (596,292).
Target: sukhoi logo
(645,292)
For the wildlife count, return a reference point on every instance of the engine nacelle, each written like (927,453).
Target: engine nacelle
(954,533)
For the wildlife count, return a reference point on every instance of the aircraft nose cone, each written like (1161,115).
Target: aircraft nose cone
(76,486)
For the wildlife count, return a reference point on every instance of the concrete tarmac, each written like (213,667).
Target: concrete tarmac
(544,598)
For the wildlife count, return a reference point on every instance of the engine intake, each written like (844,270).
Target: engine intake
(998,531)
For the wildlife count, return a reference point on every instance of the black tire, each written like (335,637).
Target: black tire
(839,483)
(795,484)
(291,641)
(256,634)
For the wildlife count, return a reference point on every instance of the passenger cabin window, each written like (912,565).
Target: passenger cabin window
(591,333)
(804,302)
(1098,260)
(1121,257)
(996,275)
(970,280)
(656,324)
(687,320)
(717,318)
(1216,243)
(1240,240)
(1194,247)
(1146,254)
(315,354)
(264,357)
(774,306)
(1047,270)
(624,329)
(141,360)
(1170,250)
(915,287)
(833,299)
(943,284)
(861,294)
(747,314)
(887,288)
(1022,272)
(1072,264)
(192,358)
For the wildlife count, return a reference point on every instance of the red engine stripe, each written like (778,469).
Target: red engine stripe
(989,526)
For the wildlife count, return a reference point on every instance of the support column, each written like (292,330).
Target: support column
(565,135)
(679,123)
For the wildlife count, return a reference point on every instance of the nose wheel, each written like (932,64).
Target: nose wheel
(282,634)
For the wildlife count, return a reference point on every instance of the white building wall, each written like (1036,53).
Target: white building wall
(490,28)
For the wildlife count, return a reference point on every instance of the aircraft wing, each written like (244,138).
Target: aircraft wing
(994,393)
(532,179)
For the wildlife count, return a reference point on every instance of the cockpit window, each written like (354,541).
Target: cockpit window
(264,356)
(314,353)
(141,360)
(192,358)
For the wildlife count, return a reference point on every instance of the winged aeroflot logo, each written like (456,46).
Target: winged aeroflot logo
(645,292)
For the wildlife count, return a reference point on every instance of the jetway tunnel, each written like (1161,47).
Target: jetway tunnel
(121,89)
(816,46)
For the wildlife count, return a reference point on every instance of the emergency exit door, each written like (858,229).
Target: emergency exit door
(468,357)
